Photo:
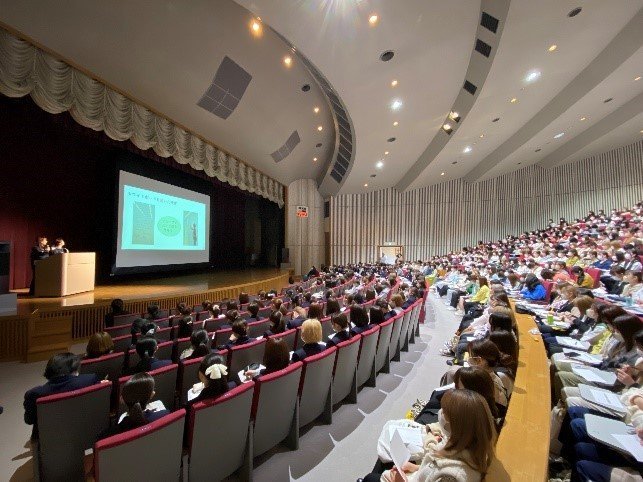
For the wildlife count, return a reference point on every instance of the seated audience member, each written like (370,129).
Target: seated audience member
(583,280)
(142,327)
(341,329)
(205,306)
(99,344)
(376,315)
(604,263)
(486,355)
(397,300)
(239,335)
(299,316)
(533,289)
(462,451)
(412,298)
(359,320)
(634,285)
(315,311)
(506,342)
(311,335)
(480,298)
(275,358)
(213,379)
(332,306)
(184,321)
(244,298)
(153,312)
(62,376)
(116,309)
(136,394)
(277,324)
(253,309)
(199,346)
(146,349)
(614,282)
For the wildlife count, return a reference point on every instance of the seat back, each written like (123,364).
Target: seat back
(394,344)
(214,325)
(164,334)
(118,458)
(215,458)
(109,366)
(367,352)
(117,331)
(264,312)
(344,378)
(243,355)
(258,328)
(315,386)
(221,337)
(163,322)
(381,357)
(125,319)
(274,408)
(406,322)
(122,343)
(69,424)
(549,285)
(164,386)
(163,352)
(595,273)
(180,345)
(244,314)
(327,327)
(290,337)
(202,315)
(188,375)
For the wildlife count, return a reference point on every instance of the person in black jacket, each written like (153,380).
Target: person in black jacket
(341,328)
(117,309)
(153,312)
(277,324)
(62,376)
(239,335)
(359,319)
(311,335)
(59,247)
(146,347)
(253,309)
(38,252)
(213,375)
(276,357)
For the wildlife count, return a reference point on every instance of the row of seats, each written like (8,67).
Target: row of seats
(255,416)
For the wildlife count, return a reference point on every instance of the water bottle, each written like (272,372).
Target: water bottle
(550,317)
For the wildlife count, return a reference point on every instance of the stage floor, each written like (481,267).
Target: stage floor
(147,289)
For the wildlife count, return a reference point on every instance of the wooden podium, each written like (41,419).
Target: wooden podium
(65,274)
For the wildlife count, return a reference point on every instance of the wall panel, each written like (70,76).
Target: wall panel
(447,216)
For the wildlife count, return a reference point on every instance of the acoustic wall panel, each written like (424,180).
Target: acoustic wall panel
(440,218)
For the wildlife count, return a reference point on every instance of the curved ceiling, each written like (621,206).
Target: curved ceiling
(165,54)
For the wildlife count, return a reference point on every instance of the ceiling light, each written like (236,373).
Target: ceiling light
(287,60)
(372,19)
(608,100)
(454,116)
(495,120)
(637,78)
(379,164)
(442,174)
(446,127)
(386,153)
(395,123)
(538,150)
(467,149)
(481,136)
(314,159)
(575,12)
(316,110)
(583,118)
(393,83)
(365,184)
(532,76)
(641,131)
(552,47)
(559,135)
(319,128)
(255,28)
(513,100)
(396,104)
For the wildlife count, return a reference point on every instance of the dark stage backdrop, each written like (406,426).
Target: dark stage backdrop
(60,179)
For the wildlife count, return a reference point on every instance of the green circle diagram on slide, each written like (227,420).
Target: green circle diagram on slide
(168,226)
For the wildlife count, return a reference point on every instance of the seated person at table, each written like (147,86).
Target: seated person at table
(199,346)
(359,320)
(311,335)
(117,309)
(99,344)
(277,324)
(136,393)
(146,349)
(239,335)
(341,329)
(275,358)
(213,379)
(464,450)
(62,376)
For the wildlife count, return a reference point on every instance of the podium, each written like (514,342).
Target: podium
(65,274)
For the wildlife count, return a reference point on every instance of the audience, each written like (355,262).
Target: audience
(116,309)
(199,346)
(213,379)
(311,335)
(99,344)
(341,330)
(146,349)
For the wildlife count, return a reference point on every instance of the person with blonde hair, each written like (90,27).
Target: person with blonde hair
(311,335)
(463,450)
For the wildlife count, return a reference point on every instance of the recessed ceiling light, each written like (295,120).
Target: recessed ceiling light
(495,120)
(373,19)
(454,162)
(552,47)
(532,76)
(641,131)
(608,100)
(305,87)
(637,78)
(559,135)
(574,12)
(453,115)
(442,174)
(390,139)
(467,149)
(583,118)
(287,60)
(365,184)
(319,128)
(380,164)
(519,163)
(538,150)
(314,159)
(481,136)
(513,100)
(386,55)
(446,127)
(386,153)
(393,83)
(395,123)
(319,144)
(255,27)
(396,104)
(316,110)
(373,175)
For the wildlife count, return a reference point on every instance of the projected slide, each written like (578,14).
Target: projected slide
(160,224)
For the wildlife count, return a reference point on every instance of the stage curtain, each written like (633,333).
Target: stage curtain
(56,87)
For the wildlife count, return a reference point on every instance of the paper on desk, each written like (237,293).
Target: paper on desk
(630,443)
(582,357)
(195,391)
(608,399)
(410,435)
(399,453)
(589,375)
(572,343)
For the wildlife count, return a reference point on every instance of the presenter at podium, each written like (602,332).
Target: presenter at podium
(40,251)
(59,247)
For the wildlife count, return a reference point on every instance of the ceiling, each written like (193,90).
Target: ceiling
(165,54)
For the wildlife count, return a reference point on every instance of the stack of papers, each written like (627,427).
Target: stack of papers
(631,444)
(582,357)
(593,375)
(572,343)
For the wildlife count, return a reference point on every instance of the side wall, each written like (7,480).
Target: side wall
(305,236)
(443,217)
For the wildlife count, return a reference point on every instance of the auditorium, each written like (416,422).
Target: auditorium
(321,240)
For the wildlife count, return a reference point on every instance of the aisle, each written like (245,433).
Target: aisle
(346,449)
